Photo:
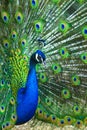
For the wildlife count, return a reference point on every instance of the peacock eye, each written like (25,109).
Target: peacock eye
(25,58)
(63,26)
(84,57)
(84,32)
(2,108)
(53,118)
(56,68)
(19,17)
(68,120)
(79,123)
(66,94)
(14,35)
(61,122)
(3,126)
(23,42)
(48,101)
(6,43)
(14,117)
(12,101)
(76,80)
(38,26)
(43,77)
(7,124)
(77,110)
(39,112)
(2,82)
(5,17)
(64,53)
(34,4)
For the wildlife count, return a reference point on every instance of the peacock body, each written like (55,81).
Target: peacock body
(58,30)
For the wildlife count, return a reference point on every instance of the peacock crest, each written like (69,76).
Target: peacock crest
(59,29)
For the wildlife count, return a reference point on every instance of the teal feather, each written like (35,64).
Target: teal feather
(59,29)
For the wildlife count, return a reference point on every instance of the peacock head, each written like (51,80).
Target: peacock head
(38,57)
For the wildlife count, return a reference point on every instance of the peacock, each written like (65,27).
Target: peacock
(43,62)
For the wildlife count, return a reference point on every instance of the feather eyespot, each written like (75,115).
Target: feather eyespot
(25,58)
(34,4)
(77,110)
(23,42)
(61,122)
(79,123)
(76,80)
(3,126)
(84,57)
(7,124)
(43,77)
(2,108)
(53,119)
(14,117)
(5,17)
(2,82)
(12,101)
(14,35)
(48,101)
(39,26)
(64,53)
(56,68)
(64,26)
(84,32)
(66,94)
(19,17)
(6,43)
(39,113)
(69,120)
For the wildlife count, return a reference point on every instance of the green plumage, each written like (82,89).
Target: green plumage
(59,29)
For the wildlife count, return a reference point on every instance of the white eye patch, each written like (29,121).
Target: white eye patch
(37,57)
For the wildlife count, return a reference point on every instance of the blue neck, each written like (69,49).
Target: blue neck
(28,97)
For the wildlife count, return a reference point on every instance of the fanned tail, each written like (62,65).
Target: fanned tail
(59,29)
